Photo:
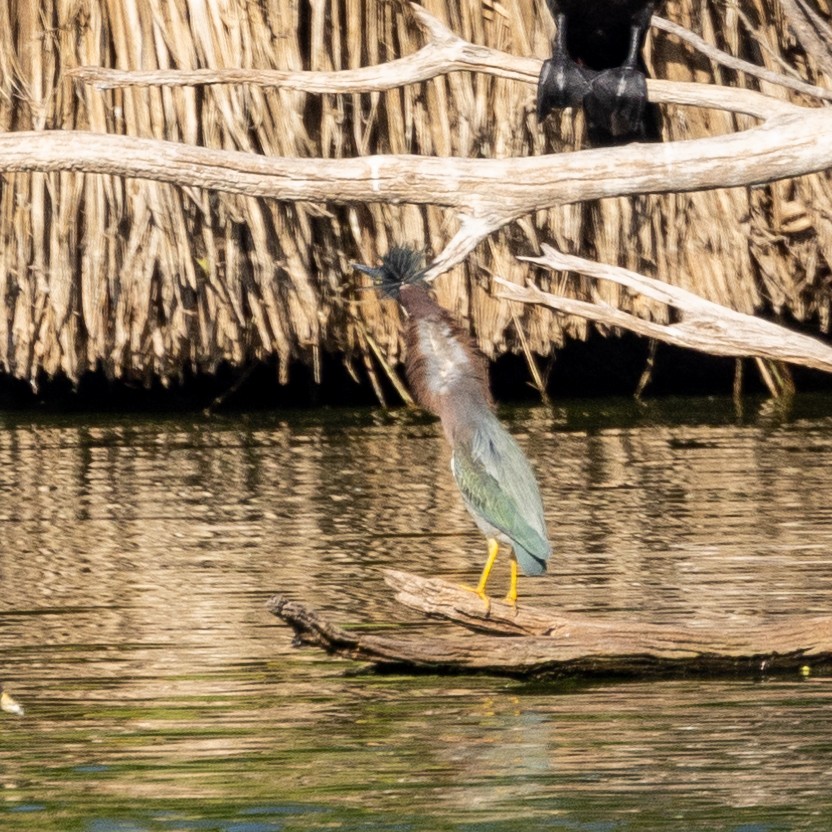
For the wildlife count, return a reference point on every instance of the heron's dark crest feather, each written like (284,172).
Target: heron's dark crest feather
(401,265)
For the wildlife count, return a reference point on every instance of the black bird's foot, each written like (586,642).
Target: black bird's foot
(616,107)
(562,83)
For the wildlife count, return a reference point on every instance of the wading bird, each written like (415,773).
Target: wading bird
(596,63)
(8,703)
(449,377)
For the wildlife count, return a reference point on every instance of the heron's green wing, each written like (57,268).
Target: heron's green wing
(498,484)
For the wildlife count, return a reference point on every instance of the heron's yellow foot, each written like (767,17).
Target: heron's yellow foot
(479,589)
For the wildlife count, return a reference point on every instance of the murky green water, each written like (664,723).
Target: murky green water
(136,557)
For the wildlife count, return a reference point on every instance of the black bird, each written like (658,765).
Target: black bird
(596,63)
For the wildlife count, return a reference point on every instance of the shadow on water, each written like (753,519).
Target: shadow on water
(136,556)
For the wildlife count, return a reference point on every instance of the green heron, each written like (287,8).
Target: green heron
(8,703)
(596,63)
(449,377)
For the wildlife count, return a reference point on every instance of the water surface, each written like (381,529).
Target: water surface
(136,556)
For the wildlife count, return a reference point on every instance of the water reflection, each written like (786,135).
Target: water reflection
(136,556)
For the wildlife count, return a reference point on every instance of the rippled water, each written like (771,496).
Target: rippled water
(136,557)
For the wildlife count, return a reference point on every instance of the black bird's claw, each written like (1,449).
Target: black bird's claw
(615,106)
(562,83)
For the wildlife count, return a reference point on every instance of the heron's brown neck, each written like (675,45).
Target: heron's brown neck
(446,371)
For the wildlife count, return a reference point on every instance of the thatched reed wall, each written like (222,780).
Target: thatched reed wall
(143,278)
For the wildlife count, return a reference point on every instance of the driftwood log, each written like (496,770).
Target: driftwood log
(529,642)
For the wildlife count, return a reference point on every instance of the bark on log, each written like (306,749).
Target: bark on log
(533,642)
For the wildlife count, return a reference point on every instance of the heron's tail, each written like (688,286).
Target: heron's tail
(531,564)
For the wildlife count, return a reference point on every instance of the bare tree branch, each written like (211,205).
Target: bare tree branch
(731,62)
(443,53)
(703,325)
(489,193)
(811,31)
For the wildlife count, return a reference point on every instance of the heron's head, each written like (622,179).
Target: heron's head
(400,266)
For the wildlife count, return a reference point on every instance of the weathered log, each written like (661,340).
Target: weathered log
(529,641)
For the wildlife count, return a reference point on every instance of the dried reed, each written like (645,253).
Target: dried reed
(144,279)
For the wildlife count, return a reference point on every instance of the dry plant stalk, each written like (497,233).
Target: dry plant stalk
(153,278)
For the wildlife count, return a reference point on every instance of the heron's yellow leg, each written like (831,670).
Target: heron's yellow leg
(493,549)
(511,595)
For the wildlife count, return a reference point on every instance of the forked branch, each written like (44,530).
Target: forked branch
(489,193)
(444,52)
(486,193)
(701,324)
